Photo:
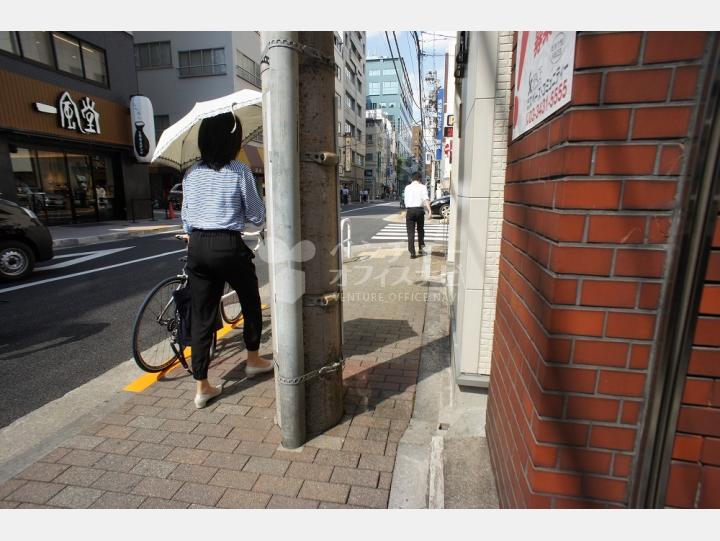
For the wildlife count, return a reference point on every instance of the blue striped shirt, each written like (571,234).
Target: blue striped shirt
(223,199)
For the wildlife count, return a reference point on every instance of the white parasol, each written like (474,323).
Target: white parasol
(178,144)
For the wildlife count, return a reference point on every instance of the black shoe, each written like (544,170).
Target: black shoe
(413,256)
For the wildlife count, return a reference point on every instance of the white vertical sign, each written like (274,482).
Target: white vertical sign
(544,63)
(143,128)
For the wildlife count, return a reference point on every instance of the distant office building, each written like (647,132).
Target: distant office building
(380,176)
(177,69)
(350,108)
(384,92)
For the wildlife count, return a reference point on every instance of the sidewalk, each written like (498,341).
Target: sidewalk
(96,232)
(155,450)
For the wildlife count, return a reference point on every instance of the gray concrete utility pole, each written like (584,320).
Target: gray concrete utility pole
(319,218)
(306,309)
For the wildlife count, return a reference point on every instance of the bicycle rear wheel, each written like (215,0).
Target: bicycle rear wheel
(155,346)
(230,305)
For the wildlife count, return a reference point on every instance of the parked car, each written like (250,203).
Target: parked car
(441,206)
(24,240)
(175,196)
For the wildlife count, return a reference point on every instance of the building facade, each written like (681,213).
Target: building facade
(380,179)
(350,84)
(386,92)
(177,69)
(604,381)
(65,135)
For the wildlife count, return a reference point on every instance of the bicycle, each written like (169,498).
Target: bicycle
(155,342)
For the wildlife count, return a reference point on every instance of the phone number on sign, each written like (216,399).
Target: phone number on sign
(549,101)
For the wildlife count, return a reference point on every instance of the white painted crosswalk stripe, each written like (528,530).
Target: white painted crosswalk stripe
(433,233)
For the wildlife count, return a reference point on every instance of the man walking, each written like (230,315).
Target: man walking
(416,197)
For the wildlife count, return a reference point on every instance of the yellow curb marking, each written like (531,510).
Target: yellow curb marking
(146,380)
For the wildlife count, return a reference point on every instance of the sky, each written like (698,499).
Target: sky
(433,42)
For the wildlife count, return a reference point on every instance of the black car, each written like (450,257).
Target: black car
(441,206)
(23,241)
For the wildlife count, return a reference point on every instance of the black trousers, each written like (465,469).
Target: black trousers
(415,217)
(216,257)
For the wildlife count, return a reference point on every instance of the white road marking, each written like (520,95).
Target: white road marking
(40,282)
(433,232)
(81,258)
(367,207)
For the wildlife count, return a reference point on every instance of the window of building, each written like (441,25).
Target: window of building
(338,102)
(94,64)
(369,156)
(349,74)
(162,122)
(389,72)
(36,46)
(390,87)
(9,42)
(359,134)
(338,73)
(358,84)
(373,88)
(339,128)
(349,128)
(153,55)
(349,102)
(67,51)
(369,139)
(359,110)
(374,73)
(71,55)
(202,62)
(248,70)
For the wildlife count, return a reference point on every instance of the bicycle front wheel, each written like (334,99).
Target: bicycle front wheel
(230,305)
(155,346)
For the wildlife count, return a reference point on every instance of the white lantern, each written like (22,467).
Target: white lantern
(143,128)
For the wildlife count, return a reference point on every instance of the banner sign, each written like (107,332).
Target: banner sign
(543,77)
(440,112)
(143,128)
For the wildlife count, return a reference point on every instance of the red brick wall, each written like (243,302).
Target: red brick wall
(695,467)
(590,199)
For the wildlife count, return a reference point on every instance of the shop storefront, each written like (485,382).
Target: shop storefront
(65,133)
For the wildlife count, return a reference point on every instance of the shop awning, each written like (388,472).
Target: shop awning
(253,156)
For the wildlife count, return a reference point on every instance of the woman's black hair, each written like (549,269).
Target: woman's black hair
(218,143)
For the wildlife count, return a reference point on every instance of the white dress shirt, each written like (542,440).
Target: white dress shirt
(415,195)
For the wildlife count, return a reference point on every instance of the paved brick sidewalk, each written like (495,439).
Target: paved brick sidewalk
(157,451)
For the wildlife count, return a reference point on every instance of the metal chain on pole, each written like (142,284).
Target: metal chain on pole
(328,368)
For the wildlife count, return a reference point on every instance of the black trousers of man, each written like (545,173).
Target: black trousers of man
(415,217)
(216,257)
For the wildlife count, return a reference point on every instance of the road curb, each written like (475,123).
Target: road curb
(97,239)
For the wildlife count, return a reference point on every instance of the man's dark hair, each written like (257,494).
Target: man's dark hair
(218,143)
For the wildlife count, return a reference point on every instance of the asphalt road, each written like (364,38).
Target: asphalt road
(71,320)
